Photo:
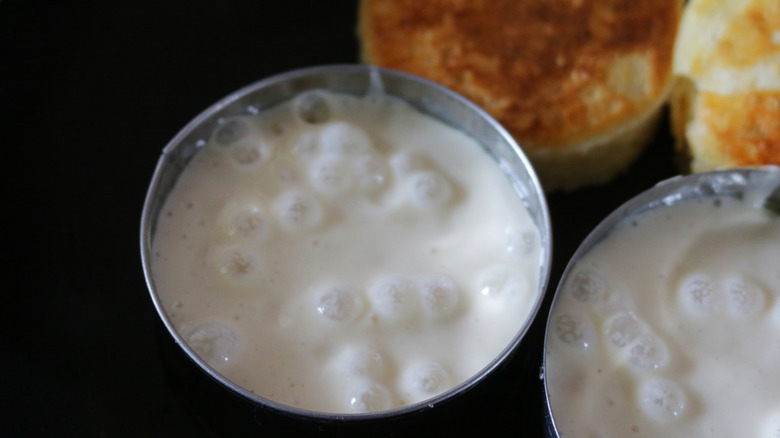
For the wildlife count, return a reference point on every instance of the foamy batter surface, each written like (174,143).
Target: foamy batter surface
(671,327)
(345,254)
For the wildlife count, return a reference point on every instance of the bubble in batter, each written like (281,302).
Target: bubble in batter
(231,132)
(369,397)
(575,330)
(520,242)
(246,153)
(500,282)
(213,341)
(371,173)
(744,298)
(298,210)
(330,174)
(393,298)
(622,328)
(237,262)
(359,362)
(429,188)
(339,304)
(662,400)
(440,296)
(648,351)
(313,108)
(342,138)
(405,163)
(424,380)
(245,221)
(700,294)
(588,286)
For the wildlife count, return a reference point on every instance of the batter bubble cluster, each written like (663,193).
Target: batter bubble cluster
(668,324)
(339,251)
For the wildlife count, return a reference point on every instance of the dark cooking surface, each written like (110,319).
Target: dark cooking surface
(90,92)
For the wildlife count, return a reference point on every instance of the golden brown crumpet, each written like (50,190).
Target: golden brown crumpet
(726,103)
(578,83)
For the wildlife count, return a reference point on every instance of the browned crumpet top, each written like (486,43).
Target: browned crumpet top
(747,37)
(726,109)
(749,136)
(553,72)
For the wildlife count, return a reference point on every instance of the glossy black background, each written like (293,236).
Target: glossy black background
(90,92)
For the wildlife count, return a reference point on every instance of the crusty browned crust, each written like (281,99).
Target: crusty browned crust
(529,62)
(555,73)
(726,104)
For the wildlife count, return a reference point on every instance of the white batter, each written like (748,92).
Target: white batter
(670,327)
(343,254)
